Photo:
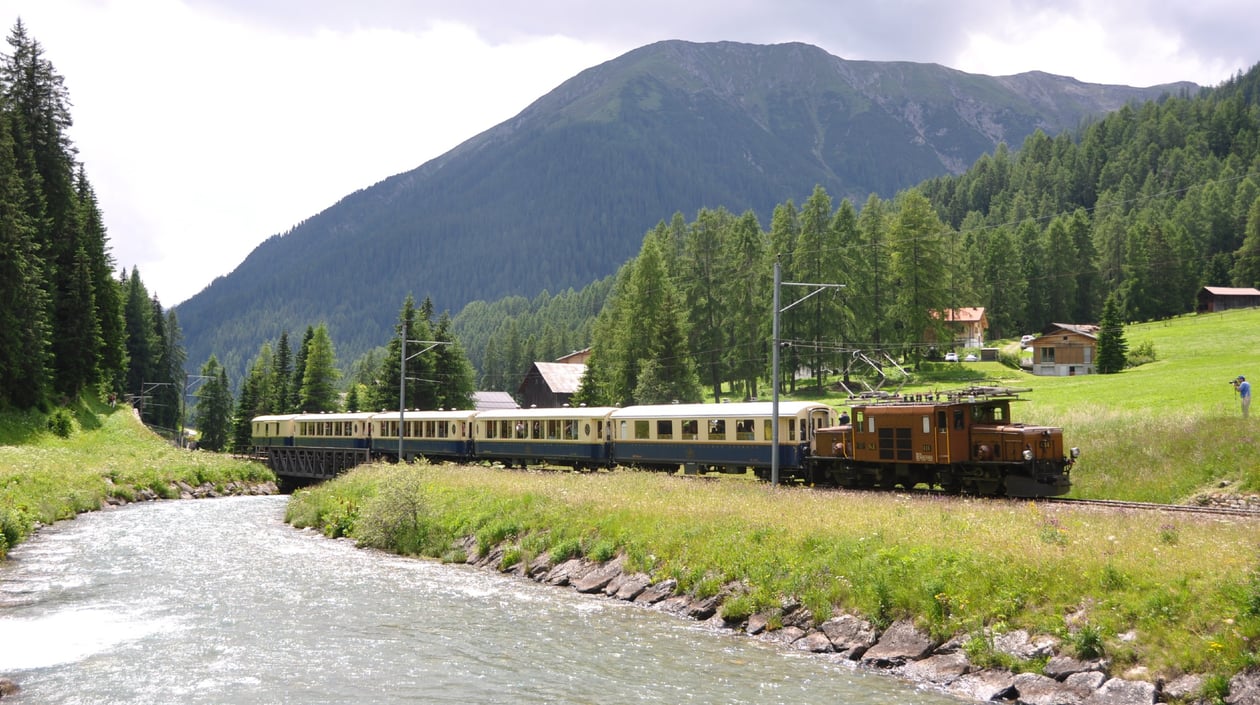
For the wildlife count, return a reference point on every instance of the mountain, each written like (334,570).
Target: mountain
(562,194)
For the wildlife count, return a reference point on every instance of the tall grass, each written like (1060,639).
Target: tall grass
(1187,589)
(46,478)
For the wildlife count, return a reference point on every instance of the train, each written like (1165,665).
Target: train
(962,442)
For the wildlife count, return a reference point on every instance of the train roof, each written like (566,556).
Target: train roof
(426,414)
(562,412)
(751,408)
(333,416)
(274,417)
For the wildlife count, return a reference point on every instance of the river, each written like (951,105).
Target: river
(218,601)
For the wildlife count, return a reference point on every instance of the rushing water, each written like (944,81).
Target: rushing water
(218,601)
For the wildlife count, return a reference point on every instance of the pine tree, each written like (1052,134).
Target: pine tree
(1112,348)
(282,376)
(451,367)
(142,343)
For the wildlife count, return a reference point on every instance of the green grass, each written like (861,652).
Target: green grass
(1188,588)
(45,478)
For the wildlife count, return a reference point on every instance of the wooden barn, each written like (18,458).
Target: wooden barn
(1065,349)
(550,385)
(1221,298)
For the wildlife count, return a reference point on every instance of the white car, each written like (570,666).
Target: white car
(970,357)
(1025,340)
(951,357)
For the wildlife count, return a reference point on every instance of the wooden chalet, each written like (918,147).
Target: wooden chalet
(1213,299)
(577,357)
(1065,349)
(968,326)
(550,385)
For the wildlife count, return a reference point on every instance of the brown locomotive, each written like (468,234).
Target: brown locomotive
(960,442)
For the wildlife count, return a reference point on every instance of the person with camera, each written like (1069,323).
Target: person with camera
(1243,387)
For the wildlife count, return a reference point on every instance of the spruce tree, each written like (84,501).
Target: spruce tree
(1112,348)
(214,407)
(319,376)
(24,328)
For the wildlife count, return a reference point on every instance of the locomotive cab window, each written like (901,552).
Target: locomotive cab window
(941,424)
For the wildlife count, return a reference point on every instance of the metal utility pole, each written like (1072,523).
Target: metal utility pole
(774,384)
(402,379)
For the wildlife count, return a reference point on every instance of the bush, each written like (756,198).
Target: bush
(1140,354)
(61,422)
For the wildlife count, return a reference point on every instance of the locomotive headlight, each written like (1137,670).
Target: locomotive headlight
(1028,454)
(1076,453)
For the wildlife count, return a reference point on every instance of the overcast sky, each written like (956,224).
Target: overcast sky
(206,126)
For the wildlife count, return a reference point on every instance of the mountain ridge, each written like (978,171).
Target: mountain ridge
(587,168)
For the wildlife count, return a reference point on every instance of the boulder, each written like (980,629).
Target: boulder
(1060,667)
(566,572)
(1118,691)
(940,669)
(786,635)
(1244,689)
(756,624)
(655,593)
(1018,644)
(704,609)
(901,642)
(814,642)
(8,687)
(1184,687)
(989,684)
(632,586)
(1036,689)
(599,577)
(850,636)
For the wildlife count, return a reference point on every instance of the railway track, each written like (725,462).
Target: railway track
(1201,510)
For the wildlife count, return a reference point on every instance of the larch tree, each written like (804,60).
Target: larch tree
(1112,347)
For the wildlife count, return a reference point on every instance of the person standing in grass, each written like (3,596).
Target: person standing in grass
(1244,393)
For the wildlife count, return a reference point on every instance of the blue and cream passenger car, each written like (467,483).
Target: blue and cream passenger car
(333,430)
(272,431)
(436,435)
(717,437)
(573,436)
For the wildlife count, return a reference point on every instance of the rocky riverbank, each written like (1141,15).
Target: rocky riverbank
(182,490)
(900,649)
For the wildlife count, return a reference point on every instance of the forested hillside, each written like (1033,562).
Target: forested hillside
(1138,211)
(560,195)
(68,327)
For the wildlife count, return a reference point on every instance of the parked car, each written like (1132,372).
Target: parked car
(1025,340)
(970,357)
(951,357)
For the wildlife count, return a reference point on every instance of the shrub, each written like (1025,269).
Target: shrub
(602,551)
(1140,354)
(1087,642)
(61,423)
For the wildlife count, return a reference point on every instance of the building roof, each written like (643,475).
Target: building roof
(576,357)
(560,377)
(965,314)
(484,401)
(1231,291)
(1088,330)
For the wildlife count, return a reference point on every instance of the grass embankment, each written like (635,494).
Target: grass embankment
(45,478)
(1171,594)
(1188,590)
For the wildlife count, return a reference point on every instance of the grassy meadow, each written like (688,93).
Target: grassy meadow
(1170,594)
(46,478)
